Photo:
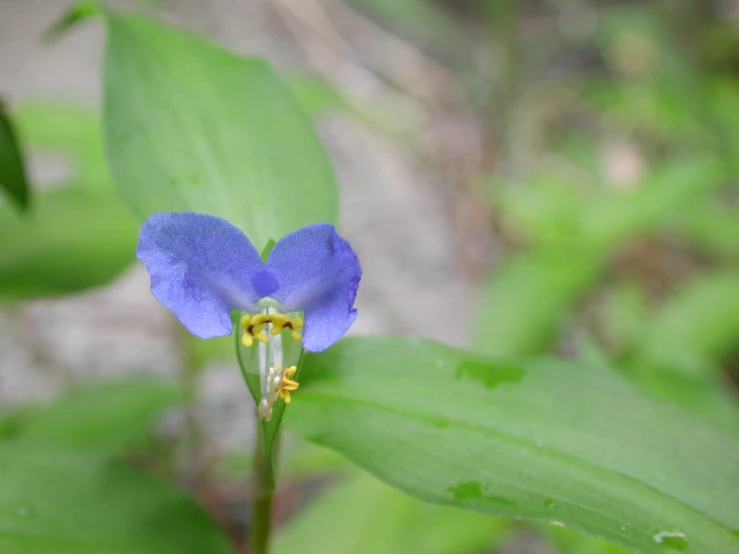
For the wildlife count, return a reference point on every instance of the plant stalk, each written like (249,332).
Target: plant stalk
(262,493)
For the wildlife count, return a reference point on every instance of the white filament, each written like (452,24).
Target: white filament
(270,369)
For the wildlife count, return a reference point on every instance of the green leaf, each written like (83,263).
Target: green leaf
(72,240)
(549,440)
(110,417)
(63,502)
(77,13)
(362,516)
(189,126)
(248,358)
(13,181)
(710,396)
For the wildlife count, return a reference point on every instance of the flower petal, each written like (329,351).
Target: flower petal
(318,273)
(201,267)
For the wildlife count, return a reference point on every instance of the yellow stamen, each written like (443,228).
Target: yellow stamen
(290,385)
(287,385)
(260,318)
(279,319)
(253,325)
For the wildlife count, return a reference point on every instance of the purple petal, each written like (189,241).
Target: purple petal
(201,268)
(318,273)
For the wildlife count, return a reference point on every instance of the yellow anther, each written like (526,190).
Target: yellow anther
(253,325)
(260,318)
(279,319)
(287,385)
(295,324)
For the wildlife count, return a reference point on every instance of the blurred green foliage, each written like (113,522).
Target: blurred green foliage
(13,181)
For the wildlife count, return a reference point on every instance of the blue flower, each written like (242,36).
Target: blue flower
(202,267)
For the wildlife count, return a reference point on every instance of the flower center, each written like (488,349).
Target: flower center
(266,329)
(254,325)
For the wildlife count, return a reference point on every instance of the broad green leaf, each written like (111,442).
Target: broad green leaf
(362,516)
(109,416)
(63,502)
(190,126)
(72,240)
(711,396)
(525,300)
(69,129)
(549,440)
(13,181)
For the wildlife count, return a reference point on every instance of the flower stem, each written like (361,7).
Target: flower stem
(261,507)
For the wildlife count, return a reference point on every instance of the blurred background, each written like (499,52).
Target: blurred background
(521,177)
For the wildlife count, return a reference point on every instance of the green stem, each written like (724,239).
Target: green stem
(261,512)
